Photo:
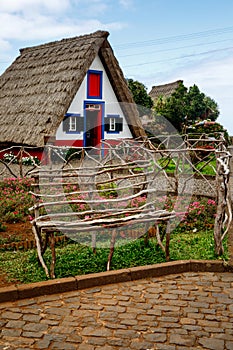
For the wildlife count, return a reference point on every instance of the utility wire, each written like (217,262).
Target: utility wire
(175,38)
(181,57)
(173,48)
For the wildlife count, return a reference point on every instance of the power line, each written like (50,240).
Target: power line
(181,57)
(173,48)
(175,38)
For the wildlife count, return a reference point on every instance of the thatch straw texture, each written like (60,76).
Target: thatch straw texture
(164,90)
(38,88)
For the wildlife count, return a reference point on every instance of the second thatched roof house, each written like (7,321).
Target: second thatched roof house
(164,90)
(73,90)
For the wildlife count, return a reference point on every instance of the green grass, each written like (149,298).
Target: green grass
(76,259)
(205,169)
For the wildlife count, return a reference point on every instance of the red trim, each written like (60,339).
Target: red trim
(15,151)
(74,143)
(94,84)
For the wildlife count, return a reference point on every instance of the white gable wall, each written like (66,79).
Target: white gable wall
(111,106)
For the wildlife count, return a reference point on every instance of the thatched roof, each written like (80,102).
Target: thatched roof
(38,88)
(164,90)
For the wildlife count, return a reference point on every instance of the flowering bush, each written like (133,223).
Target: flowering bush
(15,199)
(200,214)
(11,158)
(30,160)
(196,215)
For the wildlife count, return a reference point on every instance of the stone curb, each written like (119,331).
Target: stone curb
(68,284)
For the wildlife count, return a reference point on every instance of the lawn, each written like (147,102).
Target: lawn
(77,259)
(206,167)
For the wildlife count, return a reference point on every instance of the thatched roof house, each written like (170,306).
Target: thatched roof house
(37,90)
(164,90)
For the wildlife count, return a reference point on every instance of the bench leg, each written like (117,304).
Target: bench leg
(38,246)
(93,242)
(168,233)
(112,245)
(53,261)
(159,238)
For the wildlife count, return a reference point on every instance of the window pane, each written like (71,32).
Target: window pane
(112,124)
(72,124)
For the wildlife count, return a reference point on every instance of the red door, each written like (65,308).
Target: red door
(93,130)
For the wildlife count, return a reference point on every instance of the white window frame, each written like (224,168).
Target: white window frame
(112,124)
(72,123)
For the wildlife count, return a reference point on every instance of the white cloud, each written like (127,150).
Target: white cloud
(126,3)
(39,20)
(29,6)
(46,27)
(93,8)
(26,22)
(213,76)
(215,79)
(4,45)
(210,72)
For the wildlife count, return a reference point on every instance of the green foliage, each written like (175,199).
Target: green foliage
(11,158)
(198,246)
(76,259)
(2,227)
(210,129)
(15,199)
(206,167)
(199,215)
(140,96)
(192,238)
(108,190)
(185,106)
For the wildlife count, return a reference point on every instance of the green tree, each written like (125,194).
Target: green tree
(212,111)
(185,106)
(140,96)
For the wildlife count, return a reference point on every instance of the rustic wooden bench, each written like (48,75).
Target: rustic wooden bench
(97,200)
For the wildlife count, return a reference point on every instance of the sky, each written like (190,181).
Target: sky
(155,41)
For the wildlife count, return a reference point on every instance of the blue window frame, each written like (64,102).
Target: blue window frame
(73,123)
(94,84)
(113,124)
(87,104)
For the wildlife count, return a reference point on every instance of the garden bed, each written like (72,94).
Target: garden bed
(192,239)
(16,232)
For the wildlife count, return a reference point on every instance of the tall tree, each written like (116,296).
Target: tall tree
(186,106)
(140,96)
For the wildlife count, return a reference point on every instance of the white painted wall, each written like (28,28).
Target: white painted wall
(111,106)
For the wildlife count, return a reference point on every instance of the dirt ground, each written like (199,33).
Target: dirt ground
(19,231)
(15,232)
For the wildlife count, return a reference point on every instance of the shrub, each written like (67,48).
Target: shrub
(11,158)
(15,199)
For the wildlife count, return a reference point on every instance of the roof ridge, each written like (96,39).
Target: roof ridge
(168,84)
(98,33)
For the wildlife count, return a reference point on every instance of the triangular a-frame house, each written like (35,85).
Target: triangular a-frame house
(72,90)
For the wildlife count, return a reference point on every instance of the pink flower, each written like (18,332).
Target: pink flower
(211,202)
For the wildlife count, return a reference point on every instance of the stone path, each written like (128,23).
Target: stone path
(174,312)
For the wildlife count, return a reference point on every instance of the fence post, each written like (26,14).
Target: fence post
(21,161)
(230,235)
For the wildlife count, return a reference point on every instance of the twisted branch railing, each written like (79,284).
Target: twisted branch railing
(129,170)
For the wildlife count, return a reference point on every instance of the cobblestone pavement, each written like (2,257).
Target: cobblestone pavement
(185,311)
